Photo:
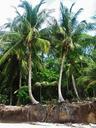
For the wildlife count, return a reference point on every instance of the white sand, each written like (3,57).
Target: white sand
(44,125)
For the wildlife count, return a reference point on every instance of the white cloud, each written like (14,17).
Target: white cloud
(6,10)
(89,7)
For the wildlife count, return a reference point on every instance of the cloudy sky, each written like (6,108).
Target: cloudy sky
(6,10)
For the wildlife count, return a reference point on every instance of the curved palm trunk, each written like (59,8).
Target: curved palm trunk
(74,86)
(29,81)
(60,97)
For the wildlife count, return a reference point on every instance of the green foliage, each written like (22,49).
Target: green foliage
(48,75)
(47,46)
(3,99)
(23,95)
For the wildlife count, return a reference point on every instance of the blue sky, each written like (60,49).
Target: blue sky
(6,10)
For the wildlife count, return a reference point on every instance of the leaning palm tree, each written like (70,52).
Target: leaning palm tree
(70,31)
(27,26)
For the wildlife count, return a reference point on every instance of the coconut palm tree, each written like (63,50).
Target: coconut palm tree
(27,27)
(70,31)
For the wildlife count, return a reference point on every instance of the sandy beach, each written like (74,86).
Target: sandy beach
(45,125)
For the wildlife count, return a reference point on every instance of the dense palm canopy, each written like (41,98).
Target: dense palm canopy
(32,59)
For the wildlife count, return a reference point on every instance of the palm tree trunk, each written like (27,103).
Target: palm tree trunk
(20,80)
(74,86)
(40,93)
(20,83)
(68,85)
(11,91)
(60,97)
(94,93)
(11,96)
(29,81)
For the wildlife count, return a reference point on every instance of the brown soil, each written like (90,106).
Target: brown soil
(55,113)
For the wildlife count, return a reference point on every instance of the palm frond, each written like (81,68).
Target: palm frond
(72,7)
(24,67)
(65,18)
(43,44)
(74,18)
(11,37)
(92,83)
(91,27)
(27,8)
(81,28)
(39,5)
(8,52)
(42,17)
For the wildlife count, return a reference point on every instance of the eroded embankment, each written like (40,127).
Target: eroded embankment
(59,113)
